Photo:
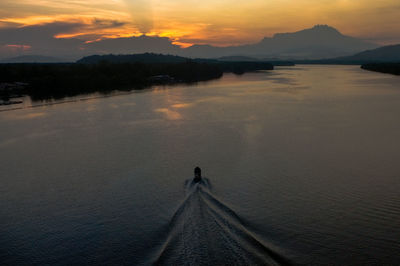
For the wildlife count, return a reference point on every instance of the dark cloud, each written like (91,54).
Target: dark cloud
(106,24)
(37,33)
(40,40)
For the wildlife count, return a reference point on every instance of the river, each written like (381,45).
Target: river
(301,166)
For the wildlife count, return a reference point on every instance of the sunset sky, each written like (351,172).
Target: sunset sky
(223,22)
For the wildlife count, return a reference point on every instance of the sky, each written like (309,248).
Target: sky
(187,22)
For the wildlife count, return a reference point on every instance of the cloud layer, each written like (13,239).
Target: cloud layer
(45,40)
(222,23)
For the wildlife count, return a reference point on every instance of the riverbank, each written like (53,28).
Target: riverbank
(389,68)
(53,81)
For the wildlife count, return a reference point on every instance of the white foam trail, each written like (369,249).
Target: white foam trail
(204,231)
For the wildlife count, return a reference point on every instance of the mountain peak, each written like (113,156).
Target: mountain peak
(323,27)
(318,29)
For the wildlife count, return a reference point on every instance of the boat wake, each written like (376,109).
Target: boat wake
(204,231)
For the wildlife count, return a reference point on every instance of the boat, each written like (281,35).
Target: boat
(197,174)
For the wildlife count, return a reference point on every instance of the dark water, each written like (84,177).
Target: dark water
(302,167)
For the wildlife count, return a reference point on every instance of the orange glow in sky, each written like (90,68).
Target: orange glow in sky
(15,47)
(224,22)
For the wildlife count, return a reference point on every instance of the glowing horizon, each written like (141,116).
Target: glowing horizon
(222,24)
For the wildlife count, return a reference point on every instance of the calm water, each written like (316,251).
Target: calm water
(302,166)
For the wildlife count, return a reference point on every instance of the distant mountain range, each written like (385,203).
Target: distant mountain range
(318,42)
(389,53)
(384,54)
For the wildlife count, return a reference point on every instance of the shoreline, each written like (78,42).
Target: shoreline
(57,81)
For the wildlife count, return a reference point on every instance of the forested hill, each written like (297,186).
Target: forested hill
(390,53)
(237,67)
(133,58)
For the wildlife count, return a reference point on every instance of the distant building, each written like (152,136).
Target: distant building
(161,79)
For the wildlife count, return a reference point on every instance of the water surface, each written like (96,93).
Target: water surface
(302,164)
